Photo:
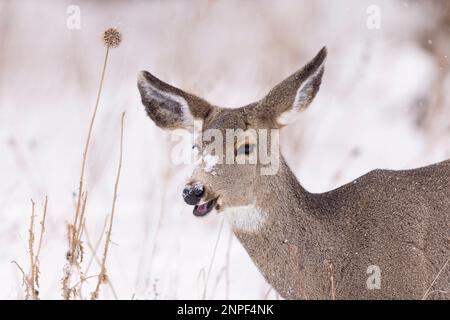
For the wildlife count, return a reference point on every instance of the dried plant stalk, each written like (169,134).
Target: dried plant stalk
(112,39)
(74,257)
(103,277)
(205,289)
(31,253)
(94,248)
(31,281)
(428,291)
(41,235)
(75,232)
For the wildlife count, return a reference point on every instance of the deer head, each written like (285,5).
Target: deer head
(231,142)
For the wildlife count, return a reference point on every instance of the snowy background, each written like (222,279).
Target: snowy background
(384,103)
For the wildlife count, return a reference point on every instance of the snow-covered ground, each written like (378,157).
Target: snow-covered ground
(384,103)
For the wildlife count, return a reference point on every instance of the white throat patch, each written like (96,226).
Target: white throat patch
(249,219)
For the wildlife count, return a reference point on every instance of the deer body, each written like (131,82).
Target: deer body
(319,246)
(392,225)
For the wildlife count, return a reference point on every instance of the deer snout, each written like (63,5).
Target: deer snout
(193,193)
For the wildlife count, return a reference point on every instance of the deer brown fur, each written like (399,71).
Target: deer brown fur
(319,246)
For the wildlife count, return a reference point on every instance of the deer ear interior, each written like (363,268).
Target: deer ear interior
(289,98)
(169,107)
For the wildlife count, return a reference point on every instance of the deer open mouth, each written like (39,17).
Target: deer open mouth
(203,209)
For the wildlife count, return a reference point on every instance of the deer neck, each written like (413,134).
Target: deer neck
(288,235)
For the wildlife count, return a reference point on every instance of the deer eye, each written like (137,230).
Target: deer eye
(246,149)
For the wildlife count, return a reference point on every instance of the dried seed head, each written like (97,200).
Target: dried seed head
(112,37)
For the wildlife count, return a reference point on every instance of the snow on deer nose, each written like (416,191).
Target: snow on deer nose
(193,193)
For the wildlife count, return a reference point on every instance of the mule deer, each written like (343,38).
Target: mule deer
(383,236)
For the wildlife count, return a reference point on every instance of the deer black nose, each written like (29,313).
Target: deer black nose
(193,193)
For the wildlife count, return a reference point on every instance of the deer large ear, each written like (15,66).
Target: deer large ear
(288,99)
(169,107)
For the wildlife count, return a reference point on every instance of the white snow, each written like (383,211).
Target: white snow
(376,86)
(210,162)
